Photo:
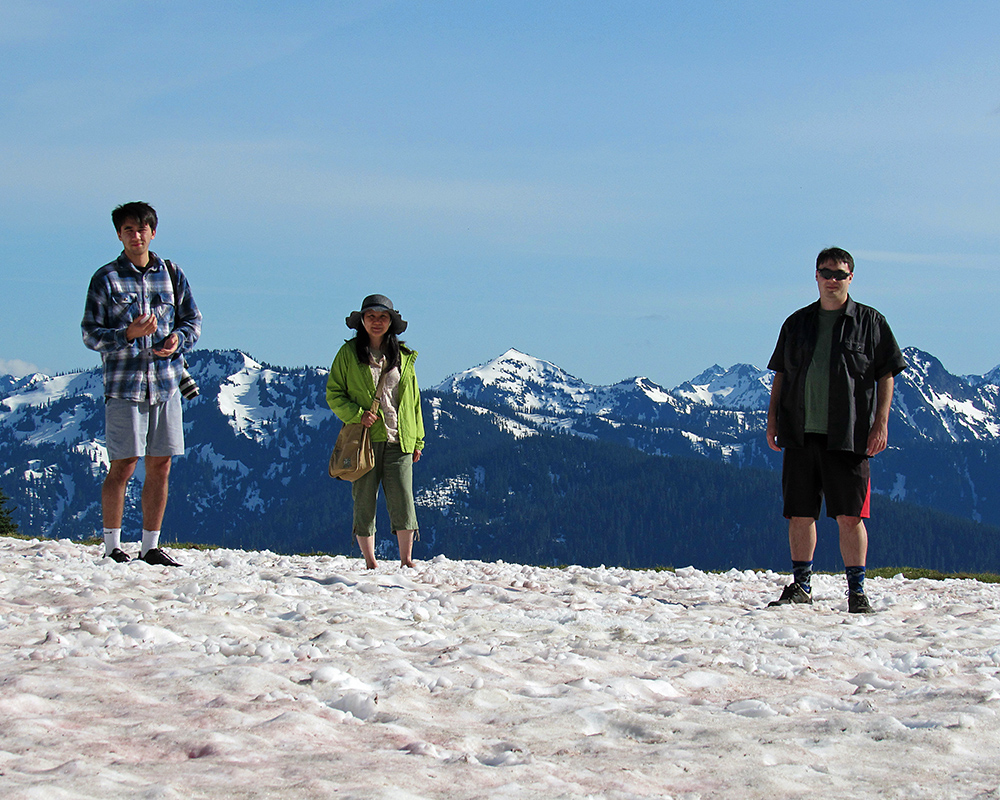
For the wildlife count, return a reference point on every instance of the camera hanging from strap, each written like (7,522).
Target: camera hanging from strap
(188,387)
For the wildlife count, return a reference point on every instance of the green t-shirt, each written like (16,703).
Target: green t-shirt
(818,376)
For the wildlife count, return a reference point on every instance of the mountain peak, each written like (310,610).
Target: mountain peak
(524,365)
(742,386)
(519,381)
(992,377)
(512,364)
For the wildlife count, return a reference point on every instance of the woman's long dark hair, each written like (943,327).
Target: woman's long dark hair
(391,347)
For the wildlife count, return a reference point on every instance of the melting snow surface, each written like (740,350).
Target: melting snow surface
(245,675)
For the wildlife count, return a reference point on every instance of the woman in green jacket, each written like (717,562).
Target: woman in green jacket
(397,431)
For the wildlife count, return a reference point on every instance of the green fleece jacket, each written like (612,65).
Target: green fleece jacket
(350,392)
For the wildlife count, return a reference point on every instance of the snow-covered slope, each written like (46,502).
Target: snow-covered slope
(253,675)
(243,432)
(941,406)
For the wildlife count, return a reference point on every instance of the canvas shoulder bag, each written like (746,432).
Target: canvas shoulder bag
(352,454)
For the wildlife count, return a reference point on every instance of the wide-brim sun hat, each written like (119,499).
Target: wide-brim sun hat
(377,302)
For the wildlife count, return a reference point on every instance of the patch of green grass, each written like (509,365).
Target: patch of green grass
(912,573)
(174,545)
(23,536)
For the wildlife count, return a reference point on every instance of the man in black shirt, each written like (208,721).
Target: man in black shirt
(834,364)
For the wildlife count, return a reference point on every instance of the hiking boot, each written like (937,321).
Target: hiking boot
(118,555)
(793,593)
(857,603)
(157,557)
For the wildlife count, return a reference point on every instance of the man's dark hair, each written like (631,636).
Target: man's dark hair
(143,213)
(836,255)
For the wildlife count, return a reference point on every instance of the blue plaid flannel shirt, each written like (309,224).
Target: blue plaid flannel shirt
(118,293)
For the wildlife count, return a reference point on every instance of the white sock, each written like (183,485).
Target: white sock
(112,540)
(150,541)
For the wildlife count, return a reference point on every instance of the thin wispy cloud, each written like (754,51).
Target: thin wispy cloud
(17,368)
(455,152)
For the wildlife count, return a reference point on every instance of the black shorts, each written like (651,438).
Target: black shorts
(810,473)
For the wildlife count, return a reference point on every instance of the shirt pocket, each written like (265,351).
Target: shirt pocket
(857,358)
(124,307)
(165,312)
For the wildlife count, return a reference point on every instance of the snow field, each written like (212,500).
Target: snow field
(248,674)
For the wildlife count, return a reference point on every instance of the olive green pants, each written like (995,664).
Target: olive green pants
(394,472)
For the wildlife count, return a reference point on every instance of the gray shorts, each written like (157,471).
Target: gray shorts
(133,430)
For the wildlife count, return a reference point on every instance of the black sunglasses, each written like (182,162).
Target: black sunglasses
(836,274)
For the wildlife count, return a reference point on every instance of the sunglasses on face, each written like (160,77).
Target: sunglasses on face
(836,274)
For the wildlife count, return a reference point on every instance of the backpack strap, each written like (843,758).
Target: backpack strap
(172,272)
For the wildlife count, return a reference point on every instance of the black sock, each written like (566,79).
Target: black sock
(855,579)
(802,574)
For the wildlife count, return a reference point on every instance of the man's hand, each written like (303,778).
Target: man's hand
(878,438)
(143,325)
(368,419)
(772,411)
(168,346)
(416,456)
(772,435)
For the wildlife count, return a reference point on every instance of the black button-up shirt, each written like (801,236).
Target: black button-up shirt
(863,351)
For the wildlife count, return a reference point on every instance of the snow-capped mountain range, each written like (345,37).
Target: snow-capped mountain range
(258,436)
(529,384)
(929,403)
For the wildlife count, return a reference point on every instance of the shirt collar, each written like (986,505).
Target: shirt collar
(155,263)
(849,310)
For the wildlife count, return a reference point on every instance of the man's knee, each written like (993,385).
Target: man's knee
(121,469)
(158,467)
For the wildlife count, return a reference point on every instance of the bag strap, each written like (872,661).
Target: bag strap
(378,390)
(172,272)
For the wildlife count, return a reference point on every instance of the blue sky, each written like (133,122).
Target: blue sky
(628,188)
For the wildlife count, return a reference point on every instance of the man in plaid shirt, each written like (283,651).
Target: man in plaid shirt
(141,320)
